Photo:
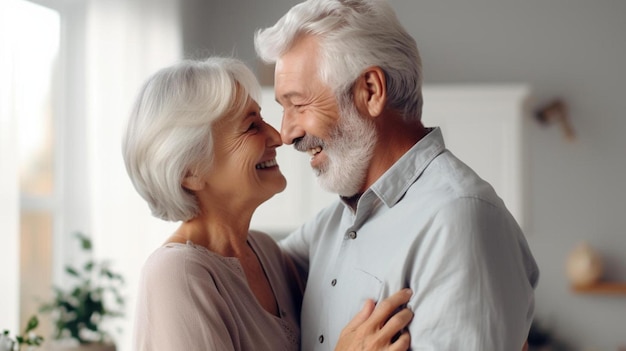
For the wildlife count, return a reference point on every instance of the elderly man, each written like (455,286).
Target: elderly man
(410,214)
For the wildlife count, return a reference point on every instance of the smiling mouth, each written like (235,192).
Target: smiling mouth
(267,164)
(314,151)
(309,144)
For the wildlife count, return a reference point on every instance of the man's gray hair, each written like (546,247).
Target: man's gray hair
(353,35)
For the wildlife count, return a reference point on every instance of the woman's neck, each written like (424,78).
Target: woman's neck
(219,231)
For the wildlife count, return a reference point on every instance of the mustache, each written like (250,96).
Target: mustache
(308,142)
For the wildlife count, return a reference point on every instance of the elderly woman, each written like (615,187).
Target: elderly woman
(198,151)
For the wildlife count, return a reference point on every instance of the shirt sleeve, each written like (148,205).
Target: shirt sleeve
(179,307)
(473,281)
(302,243)
(297,246)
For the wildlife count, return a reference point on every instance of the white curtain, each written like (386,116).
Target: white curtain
(9,190)
(109,48)
(126,41)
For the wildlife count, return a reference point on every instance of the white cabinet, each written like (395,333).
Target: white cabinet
(482,124)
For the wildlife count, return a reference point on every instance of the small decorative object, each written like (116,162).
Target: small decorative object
(28,338)
(584,266)
(78,310)
(557,111)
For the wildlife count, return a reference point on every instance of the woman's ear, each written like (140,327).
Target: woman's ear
(193,182)
(370,92)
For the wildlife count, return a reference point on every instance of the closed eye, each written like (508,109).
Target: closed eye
(253,127)
(298,106)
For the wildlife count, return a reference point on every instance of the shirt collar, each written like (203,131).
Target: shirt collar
(395,182)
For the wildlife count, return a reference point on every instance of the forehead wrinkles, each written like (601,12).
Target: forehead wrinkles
(300,58)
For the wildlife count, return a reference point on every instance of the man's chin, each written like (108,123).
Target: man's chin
(323,181)
(332,178)
(329,184)
(318,172)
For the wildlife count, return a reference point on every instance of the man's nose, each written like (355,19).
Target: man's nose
(290,130)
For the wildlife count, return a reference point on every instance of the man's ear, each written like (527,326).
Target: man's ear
(193,182)
(370,91)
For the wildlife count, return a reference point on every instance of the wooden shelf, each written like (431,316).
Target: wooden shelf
(604,288)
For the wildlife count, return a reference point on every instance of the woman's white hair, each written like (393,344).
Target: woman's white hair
(353,35)
(169,132)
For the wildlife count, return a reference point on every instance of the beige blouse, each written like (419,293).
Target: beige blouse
(193,299)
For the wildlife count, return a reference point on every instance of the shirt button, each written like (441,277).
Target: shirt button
(333,282)
(352,235)
(321,339)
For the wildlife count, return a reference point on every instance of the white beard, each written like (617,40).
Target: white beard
(349,151)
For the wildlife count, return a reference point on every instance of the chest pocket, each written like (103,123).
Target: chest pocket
(353,288)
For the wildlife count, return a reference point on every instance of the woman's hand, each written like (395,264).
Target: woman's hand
(379,327)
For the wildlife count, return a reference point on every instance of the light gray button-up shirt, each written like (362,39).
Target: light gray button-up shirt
(430,224)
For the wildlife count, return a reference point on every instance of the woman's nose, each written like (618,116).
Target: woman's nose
(274,138)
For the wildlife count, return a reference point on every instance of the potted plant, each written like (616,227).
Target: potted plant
(79,309)
(28,338)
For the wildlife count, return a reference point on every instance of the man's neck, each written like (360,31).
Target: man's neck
(352,201)
(395,138)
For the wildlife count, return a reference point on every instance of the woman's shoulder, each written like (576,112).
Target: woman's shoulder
(176,261)
(171,253)
(265,245)
(262,239)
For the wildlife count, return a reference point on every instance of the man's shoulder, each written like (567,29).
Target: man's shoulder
(449,173)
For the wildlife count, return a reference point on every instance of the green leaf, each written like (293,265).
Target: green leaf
(92,298)
(33,322)
(85,242)
(34,341)
(72,271)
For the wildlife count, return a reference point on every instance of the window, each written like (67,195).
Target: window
(73,67)
(32,56)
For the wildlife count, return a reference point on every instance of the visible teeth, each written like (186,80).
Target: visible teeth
(314,151)
(266,164)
